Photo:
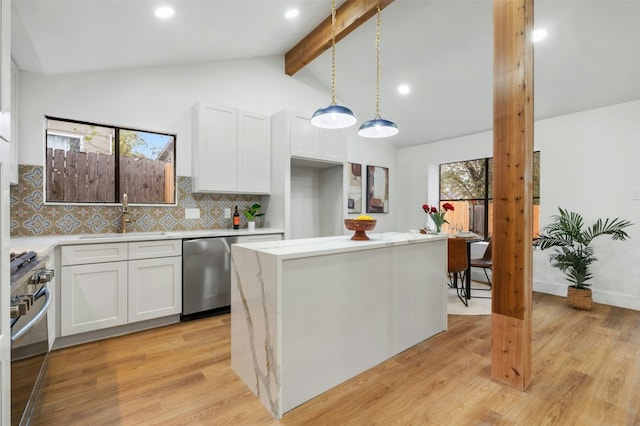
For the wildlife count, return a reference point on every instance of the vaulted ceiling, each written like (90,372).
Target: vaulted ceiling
(442,49)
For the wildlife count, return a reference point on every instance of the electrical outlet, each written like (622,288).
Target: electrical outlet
(227,213)
(192,213)
(635,194)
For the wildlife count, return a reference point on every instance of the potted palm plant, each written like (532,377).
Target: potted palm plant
(573,254)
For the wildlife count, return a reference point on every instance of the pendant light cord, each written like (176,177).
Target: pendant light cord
(378,127)
(333,52)
(378,63)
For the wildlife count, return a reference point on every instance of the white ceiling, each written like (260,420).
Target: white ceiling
(441,48)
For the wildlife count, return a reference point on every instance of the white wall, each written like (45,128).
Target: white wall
(305,199)
(588,164)
(381,153)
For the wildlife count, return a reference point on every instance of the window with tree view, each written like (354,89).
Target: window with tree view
(95,163)
(468,185)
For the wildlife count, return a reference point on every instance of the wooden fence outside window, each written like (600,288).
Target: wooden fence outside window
(74,176)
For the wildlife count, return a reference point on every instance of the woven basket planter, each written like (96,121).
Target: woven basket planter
(579,298)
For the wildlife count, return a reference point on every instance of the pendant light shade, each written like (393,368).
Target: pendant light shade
(378,127)
(333,116)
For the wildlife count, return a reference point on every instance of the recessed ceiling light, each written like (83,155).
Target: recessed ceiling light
(291,13)
(164,12)
(538,35)
(403,89)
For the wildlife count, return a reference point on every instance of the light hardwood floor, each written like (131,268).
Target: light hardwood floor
(586,372)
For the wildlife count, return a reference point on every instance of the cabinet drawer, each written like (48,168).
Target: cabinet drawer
(92,253)
(155,248)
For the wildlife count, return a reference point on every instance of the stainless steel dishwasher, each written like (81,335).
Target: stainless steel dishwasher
(206,276)
(206,273)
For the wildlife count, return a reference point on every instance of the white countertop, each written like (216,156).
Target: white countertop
(45,243)
(288,249)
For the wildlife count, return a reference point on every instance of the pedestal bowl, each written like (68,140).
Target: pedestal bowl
(359,226)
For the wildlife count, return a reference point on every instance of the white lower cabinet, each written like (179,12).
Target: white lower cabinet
(153,292)
(95,296)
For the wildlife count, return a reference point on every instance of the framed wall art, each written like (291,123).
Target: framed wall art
(377,189)
(354,196)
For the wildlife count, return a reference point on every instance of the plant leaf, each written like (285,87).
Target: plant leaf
(573,256)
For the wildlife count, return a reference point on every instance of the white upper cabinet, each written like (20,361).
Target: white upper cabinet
(332,144)
(310,142)
(304,140)
(254,153)
(231,150)
(13,162)
(214,149)
(5,70)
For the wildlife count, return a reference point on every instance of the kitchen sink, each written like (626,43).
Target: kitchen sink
(119,235)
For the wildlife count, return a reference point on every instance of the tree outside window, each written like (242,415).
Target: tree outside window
(468,185)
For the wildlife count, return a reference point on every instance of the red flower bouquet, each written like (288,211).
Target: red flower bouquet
(437,216)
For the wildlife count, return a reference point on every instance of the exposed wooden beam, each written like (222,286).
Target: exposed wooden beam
(513,192)
(349,16)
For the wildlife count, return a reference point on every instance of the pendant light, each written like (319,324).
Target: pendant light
(333,116)
(378,127)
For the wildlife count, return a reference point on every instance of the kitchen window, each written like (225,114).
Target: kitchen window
(96,163)
(468,185)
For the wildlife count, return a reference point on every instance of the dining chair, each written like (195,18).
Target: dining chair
(457,264)
(484,262)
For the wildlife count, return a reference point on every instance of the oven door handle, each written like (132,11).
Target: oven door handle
(37,317)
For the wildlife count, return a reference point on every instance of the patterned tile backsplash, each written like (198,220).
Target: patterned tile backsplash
(30,216)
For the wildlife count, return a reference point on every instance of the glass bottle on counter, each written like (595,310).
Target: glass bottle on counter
(236,219)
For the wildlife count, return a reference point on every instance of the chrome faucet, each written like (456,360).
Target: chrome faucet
(123,217)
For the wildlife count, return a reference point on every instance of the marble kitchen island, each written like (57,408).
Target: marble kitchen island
(309,314)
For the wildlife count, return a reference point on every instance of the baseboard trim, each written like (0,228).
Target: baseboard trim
(92,336)
(603,297)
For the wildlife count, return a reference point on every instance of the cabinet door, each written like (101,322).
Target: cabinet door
(333,144)
(5,70)
(304,140)
(254,153)
(155,288)
(92,297)
(13,160)
(5,56)
(214,149)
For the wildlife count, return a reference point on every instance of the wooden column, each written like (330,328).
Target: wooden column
(512,192)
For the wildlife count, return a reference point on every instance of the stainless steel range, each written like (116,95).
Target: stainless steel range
(30,301)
